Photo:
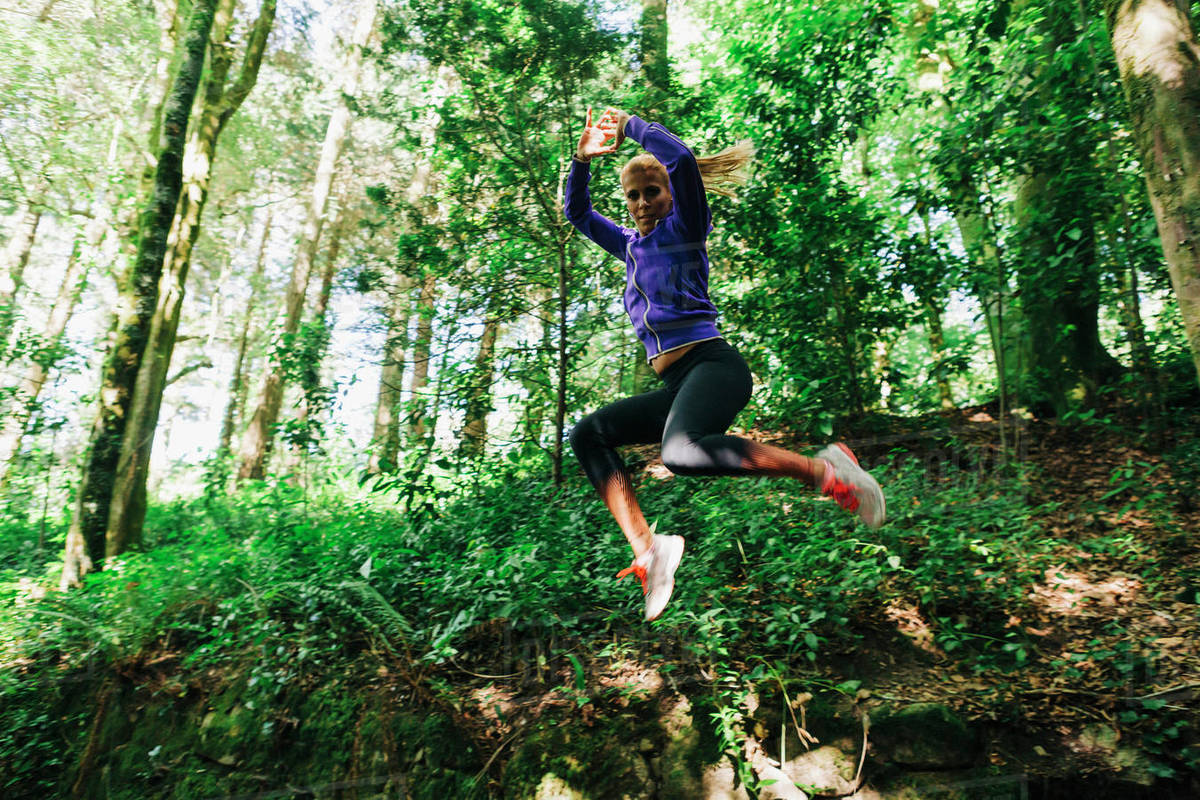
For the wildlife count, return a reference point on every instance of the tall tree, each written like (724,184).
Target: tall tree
(1159,59)
(237,378)
(256,444)
(16,252)
(1058,195)
(85,539)
(385,441)
(28,390)
(508,128)
(219,101)
(422,351)
(483,373)
(313,348)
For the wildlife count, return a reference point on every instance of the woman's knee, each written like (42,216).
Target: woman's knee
(680,454)
(585,434)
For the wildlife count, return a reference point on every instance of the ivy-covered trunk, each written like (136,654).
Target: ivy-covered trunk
(85,539)
(1159,58)
(422,347)
(1060,287)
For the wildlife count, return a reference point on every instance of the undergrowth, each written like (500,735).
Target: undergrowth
(301,582)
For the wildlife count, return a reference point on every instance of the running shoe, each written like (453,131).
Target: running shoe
(655,568)
(851,486)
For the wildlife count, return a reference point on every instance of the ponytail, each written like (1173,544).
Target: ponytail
(721,173)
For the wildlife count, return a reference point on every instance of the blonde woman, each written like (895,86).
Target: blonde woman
(705,381)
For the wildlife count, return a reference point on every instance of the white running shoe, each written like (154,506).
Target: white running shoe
(852,486)
(656,570)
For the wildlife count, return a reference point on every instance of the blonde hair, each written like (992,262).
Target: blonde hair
(721,172)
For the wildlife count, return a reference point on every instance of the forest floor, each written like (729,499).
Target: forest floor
(1111,631)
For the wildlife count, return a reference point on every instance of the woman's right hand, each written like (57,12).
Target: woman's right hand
(594,141)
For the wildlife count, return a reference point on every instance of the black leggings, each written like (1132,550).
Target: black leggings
(704,390)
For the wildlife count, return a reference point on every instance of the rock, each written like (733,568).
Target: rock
(779,786)
(826,769)
(561,761)
(553,787)
(682,778)
(923,736)
(719,782)
(1101,741)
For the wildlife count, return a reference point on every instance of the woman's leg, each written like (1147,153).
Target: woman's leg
(709,396)
(634,420)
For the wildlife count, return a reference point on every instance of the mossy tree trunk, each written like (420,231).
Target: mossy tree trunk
(1060,285)
(314,346)
(127,510)
(1158,56)
(139,298)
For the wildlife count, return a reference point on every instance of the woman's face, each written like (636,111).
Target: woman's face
(647,197)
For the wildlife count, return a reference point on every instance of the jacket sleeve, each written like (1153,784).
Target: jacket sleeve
(687,189)
(578,209)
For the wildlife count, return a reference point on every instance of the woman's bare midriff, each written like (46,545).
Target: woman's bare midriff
(660,363)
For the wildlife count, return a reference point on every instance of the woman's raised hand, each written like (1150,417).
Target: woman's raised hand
(595,139)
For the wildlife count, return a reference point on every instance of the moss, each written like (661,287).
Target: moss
(435,758)
(599,762)
(923,736)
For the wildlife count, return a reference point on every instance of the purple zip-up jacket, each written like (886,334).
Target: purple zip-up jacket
(666,271)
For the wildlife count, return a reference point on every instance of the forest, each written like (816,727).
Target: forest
(295,333)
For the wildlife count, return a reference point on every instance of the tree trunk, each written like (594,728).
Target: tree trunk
(560,407)
(237,379)
(421,353)
(314,346)
(479,404)
(85,539)
(256,447)
(16,253)
(145,160)
(127,511)
(12,270)
(930,302)
(23,402)
(989,279)
(937,345)
(385,452)
(537,387)
(1159,60)
(656,65)
(1060,291)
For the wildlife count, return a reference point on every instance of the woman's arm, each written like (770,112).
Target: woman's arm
(578,202)
(687,187)
(578,209)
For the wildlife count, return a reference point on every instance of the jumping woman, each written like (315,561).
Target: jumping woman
(705,381)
